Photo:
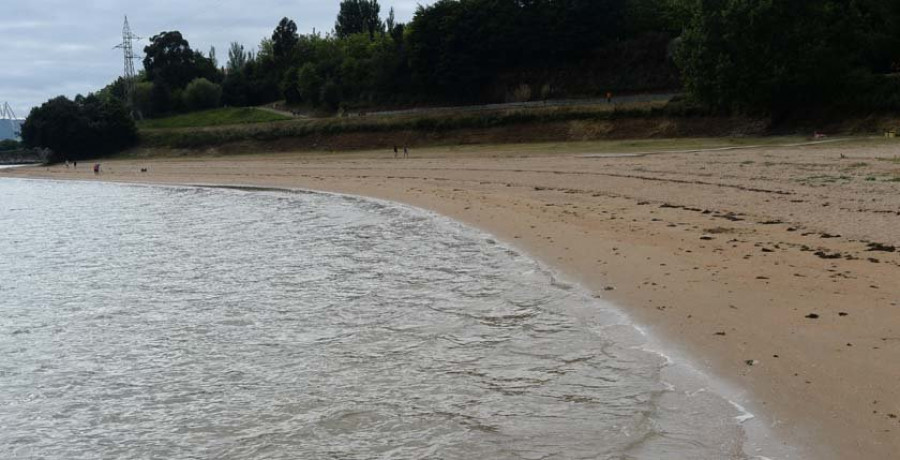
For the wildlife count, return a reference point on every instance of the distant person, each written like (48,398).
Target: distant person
(67,164)
(405,152)
(609,96)
(75,164)
(395,152)
(96,168)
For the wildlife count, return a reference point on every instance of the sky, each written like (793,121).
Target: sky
(64,47)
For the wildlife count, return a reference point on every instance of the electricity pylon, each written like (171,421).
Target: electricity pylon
(129,77)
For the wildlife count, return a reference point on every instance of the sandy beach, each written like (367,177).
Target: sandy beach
(774,268)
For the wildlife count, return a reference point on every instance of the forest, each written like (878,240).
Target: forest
(766,57)
(730,55)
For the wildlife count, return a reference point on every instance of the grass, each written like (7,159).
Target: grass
(262,132)
(171,132)
(215,117)
(208,129)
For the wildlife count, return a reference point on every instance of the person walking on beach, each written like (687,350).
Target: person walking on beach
(405,152)
(609,97)
(96,168)
(75,164)
(395,152)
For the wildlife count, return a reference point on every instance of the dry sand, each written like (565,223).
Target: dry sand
(735,256)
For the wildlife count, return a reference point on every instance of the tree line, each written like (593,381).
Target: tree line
(747,56)
(453,51)
(763,56)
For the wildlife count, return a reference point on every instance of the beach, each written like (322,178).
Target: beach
(773,268)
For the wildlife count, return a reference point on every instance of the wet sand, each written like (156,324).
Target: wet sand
(773,268)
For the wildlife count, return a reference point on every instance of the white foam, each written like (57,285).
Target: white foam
(745,414)
(684,362)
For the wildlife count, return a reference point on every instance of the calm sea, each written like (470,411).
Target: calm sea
(189,323)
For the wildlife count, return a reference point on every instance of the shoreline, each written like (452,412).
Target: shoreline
(685,371)
(680,372)
(722,285)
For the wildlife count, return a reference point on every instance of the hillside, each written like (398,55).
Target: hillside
(214,117)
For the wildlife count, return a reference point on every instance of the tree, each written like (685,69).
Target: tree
(284,41)
(142,98)
(290,86)
(160,99)
(769,56)
(358,16)
(237,58)
(390,22)
(310,84)
(85,128)
(235,90)
(202,94)
(170,60)
(57,125)
(331,95)
(395,29)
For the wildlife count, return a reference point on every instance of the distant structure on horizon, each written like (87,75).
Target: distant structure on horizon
(10,124)
(128,76)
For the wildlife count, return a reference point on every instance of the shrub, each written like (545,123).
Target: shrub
(521,93)
(202,94)
(331,94)
(8,144)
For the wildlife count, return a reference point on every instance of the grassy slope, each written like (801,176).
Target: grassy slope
(207,135)
(215,117)
(540,125)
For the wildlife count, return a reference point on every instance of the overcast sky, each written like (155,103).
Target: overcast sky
(65,47)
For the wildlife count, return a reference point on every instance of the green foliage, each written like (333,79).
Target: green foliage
(170,61)
(458,47)
(331,95)
(235,90)
(359,17)
(84,128)
(202,94)
(210,137)
(9,144)
(215,117)
(772,56)
(284,41)
(310,84)
(290,87)
(143,92)
(160,100)
(237,58)
(454,50)
(749,56)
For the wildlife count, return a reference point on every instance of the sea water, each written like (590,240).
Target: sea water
(191,322)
